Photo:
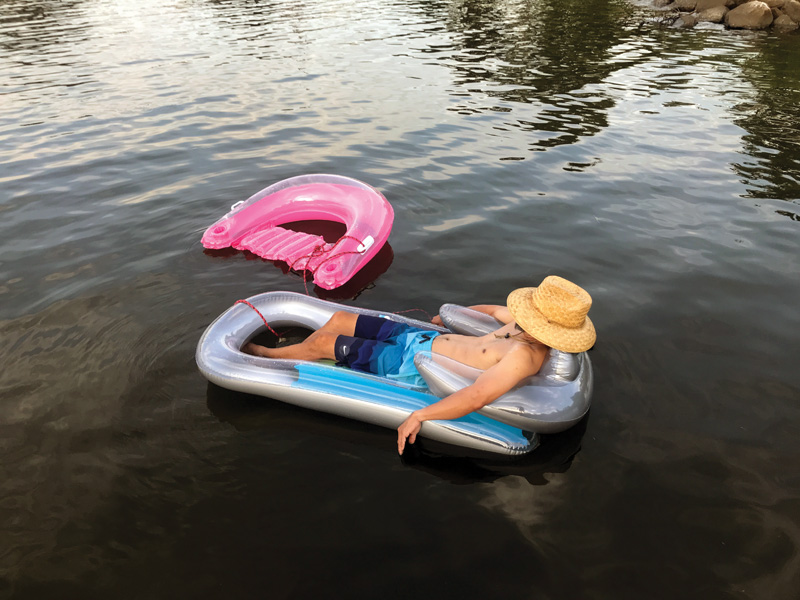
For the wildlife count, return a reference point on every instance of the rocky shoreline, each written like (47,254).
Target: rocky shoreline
(780,15)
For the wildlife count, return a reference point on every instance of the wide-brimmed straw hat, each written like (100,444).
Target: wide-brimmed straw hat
(555,314)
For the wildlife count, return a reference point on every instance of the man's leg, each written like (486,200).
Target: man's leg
(320,344)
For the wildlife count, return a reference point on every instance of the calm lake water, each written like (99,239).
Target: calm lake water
(658,168)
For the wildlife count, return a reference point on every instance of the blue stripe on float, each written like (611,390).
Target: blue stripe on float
(344,382)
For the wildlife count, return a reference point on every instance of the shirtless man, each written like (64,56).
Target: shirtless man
(534,320)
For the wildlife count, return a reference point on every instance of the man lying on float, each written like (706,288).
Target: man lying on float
(553,315)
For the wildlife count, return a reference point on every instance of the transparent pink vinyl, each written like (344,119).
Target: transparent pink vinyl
(256,225)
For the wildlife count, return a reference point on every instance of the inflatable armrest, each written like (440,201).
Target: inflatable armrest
(467,321)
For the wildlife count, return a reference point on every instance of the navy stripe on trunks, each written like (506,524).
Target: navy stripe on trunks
(384,347)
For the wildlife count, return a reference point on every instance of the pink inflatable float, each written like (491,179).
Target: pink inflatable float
(255,224)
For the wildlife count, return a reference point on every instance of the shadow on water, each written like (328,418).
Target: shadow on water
(554,454)
(247,412)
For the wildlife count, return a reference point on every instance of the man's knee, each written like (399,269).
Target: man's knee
(338,317)
(342,321)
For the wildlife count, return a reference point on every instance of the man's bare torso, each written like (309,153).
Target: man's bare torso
(485,351)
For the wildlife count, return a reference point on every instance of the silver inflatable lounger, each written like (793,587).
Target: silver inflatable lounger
(504,427)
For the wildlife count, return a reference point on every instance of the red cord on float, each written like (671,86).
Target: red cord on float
(275,333)
(319,251)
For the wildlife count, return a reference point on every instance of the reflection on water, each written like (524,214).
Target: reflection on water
(771,163)
(658,168)
(533,53)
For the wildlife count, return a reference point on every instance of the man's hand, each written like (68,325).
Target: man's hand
(437,320)
(408,429)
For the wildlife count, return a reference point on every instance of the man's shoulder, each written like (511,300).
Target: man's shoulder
(527,356)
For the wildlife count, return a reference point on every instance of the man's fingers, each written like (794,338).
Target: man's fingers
(401,441)
(408,429)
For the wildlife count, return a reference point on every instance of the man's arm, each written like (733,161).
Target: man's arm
(501,313)
(493,383)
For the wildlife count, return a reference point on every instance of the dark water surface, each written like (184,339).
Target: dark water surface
(658,168)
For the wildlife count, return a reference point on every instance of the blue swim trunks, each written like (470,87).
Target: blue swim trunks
(384,347)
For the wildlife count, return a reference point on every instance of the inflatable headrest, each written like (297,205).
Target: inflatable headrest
(560,366)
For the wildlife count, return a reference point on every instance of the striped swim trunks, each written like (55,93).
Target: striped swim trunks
(384,347)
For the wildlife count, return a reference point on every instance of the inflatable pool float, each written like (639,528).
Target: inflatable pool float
(256,225)
(551,401)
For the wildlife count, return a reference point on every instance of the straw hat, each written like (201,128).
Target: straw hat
(555,314)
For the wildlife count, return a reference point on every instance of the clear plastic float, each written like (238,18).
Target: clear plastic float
(257,225)
(555,399)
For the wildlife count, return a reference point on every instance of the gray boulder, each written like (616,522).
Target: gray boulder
(751,15)
(715,14)
(792,9)
(687,20)
(784,23)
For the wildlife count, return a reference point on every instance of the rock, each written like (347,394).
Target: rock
(784,23)
(774,3)
(685,5)
(688,19)
(706,4)
(751,15)
(712,15)
(662,3)
(792,8)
